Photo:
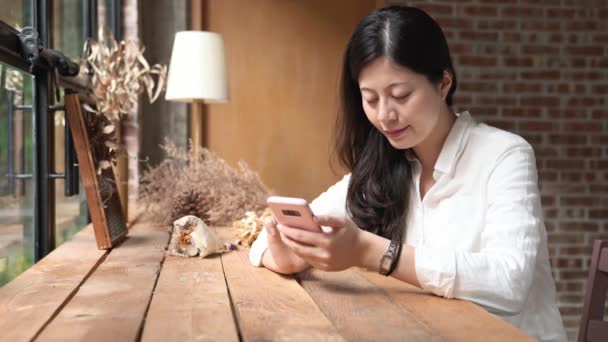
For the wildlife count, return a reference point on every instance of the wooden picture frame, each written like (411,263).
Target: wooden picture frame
(101,191)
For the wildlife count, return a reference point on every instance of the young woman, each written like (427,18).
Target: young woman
(433,198)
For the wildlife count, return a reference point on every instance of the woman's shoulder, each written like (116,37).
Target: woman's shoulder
(495,140)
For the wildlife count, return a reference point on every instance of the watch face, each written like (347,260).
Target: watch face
(385,264)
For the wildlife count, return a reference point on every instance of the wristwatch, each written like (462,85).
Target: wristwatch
(388,262)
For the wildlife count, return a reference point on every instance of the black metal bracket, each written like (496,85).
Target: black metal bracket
(36,55)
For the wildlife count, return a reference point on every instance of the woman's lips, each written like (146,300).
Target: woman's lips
(395,133)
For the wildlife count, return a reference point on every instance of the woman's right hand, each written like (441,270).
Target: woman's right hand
(278,257)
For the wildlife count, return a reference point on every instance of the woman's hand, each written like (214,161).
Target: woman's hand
(337,250)
(280,259)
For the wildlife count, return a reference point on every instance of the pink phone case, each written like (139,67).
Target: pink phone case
(293,212)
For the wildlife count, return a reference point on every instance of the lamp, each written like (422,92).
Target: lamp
(197,74)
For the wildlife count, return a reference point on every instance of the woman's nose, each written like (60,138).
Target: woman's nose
(385,112)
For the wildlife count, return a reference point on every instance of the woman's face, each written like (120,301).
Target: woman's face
(403,105)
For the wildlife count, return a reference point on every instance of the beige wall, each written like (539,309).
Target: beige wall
(284,62)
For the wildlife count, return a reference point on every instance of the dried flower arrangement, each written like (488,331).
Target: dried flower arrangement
(119,74)
(249,227)
(224,194)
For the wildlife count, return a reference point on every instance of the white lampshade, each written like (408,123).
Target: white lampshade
(197,71)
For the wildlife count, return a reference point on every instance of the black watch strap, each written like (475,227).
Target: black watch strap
(389,260)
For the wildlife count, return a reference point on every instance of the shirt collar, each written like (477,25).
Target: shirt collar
(454,144)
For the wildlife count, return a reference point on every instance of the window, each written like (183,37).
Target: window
(42,202)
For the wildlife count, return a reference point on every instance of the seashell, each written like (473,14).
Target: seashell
(203,240)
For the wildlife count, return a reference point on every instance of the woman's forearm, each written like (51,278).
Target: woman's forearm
(375,247)
(283,263)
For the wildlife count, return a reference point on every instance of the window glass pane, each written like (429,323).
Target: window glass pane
(68,37)
(16,184)
(16,13)
(68,27)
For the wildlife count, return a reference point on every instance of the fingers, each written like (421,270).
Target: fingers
(271,226)
(330,221)
(303,236)
(312,254)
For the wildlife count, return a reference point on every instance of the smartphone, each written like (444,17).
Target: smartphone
(293,212)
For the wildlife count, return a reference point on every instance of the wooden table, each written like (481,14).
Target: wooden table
(134,292)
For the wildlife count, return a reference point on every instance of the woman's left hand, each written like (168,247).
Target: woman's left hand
(337,250)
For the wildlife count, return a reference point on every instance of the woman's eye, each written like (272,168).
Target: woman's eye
(401,97)
(374,100)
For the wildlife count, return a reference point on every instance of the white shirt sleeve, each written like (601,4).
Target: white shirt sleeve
(499,276)
(331,202)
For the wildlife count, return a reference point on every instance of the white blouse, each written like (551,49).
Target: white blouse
(479,231)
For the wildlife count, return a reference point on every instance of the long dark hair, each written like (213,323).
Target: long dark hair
(379,188)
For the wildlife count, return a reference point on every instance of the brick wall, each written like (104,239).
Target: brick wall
(540,69)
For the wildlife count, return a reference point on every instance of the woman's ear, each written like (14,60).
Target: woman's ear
(445,84)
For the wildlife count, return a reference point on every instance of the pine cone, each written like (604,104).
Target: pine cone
(191,202)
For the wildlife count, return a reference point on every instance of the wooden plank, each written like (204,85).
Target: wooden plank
(190,302)
(269,306)
(361,311)
(111,305)
(29,301)
(455,320)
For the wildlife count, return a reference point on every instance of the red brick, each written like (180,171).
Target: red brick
(573,274)
(478,61)
(601,214)
(511,37)
(540,49)
(579,227)
(599,62)
(600,114)
(537,126)
(552,26)
(547,175)
(436,9)
(580,76)
(519,61)
(582,127)
(568,139)
(568,113)
(455,23)
(480,11)
(576,176)
(522,12)
(584,152)
(600,89)
(480,87)
(583,102)
(584,26)
(522,112)
(544,101)
(575,250)
(601,164)
(542,152)
(593,50)
(502,124)
(556,38)
(600,38)
(497,75)
(564,163)
(568,262)
(565,238)
(491,111)
(554,13)
(569,286)
(479,36)
(497,100)
(561,88)
(546,75)
(493,24)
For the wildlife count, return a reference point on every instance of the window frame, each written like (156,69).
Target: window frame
(42,110)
